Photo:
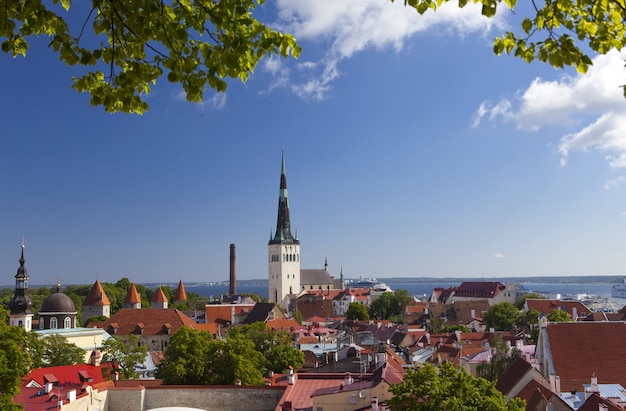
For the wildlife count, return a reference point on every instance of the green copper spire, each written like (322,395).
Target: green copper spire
(283,225)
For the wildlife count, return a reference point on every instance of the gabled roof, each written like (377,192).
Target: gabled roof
(260,312)
(512,375)
(132,296)
(546,306)
(180,294)
(159,296)
(593,404)
(582,348)
(96,296)
(155,322)
(314,277)
(478,289)
(64,375)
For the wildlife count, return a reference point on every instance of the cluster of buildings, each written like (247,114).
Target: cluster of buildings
(349,365)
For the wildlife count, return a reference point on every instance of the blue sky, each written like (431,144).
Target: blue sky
(411,151)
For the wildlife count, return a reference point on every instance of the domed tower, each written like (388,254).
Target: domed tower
(283,250)
(57,311)
(21,304)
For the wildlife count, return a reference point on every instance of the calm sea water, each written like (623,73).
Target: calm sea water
(425,289)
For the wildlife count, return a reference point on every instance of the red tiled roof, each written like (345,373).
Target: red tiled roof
(180,294)
(478,289)
(64,375)
(159,296)
(132,297)
(153,321)
(97,296)
(305,385)
(582,348)
(545,306)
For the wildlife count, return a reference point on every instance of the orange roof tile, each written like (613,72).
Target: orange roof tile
(154,322)
(159,296)
(582,348)
(132,297)
(97,296)
(180,294)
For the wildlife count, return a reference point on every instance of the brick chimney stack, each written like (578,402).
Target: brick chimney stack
(233,271)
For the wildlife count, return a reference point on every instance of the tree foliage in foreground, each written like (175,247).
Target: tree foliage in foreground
(558,32)
(56,350)
(196,357)
(451,388)
(500,360)
(129,45)
(502,316)
(15,361)
(126,354)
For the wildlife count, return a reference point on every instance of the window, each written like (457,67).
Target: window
(41,323)
(67,322)
(53,323)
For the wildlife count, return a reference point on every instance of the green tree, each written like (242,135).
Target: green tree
(126,354)
(15,361)
(276,346)
(557,316)
(357,311)
(181,364)
(56,350)
(453,328)
(126,47)
(559,33)
(194,357)
(425,389)
(501,358)
(390,306)
(502,316)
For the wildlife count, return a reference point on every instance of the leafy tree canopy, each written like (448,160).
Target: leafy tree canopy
(501,358)
(128,46)
(502,316)
(357,311)
(125,353)
(56,350)
(558,316)
(558,32)
(15,360)
(389,306)
(425,389)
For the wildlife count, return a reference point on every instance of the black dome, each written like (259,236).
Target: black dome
(58,302)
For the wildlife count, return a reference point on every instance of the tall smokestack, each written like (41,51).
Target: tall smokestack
(233,271)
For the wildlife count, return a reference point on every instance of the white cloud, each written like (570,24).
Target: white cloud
(353,26)
(614,183)
(498,255)
(592,105)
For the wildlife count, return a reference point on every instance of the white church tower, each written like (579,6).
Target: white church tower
(283,251)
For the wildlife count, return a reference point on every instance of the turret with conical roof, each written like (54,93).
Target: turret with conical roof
(132,299)
(96,303)
(159,300)
(21,303)
(283,224)
(180,294)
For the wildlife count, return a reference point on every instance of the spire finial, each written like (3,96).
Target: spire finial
(58,284)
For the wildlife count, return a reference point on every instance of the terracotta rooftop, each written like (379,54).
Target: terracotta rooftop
(159,296)
(152,322)
(582,348)
(132,297)
(180,294)
(97,296)
(512,375)
(64,375)
(478,289)
(546,306)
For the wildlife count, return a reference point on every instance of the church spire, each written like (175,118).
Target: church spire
(283,225)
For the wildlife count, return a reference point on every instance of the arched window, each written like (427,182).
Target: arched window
(41,323)
(67,322)
(53,323)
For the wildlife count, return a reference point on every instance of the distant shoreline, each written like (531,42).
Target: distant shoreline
(600,279)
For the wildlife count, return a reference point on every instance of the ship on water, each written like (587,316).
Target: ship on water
(619,290)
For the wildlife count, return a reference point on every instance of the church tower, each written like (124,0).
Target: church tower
(21,304)
(283,250)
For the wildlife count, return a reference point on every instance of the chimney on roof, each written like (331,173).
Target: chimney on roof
(594,383)
(233,270)
(374,403)
(603,407)
(71,395)
(574,314)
